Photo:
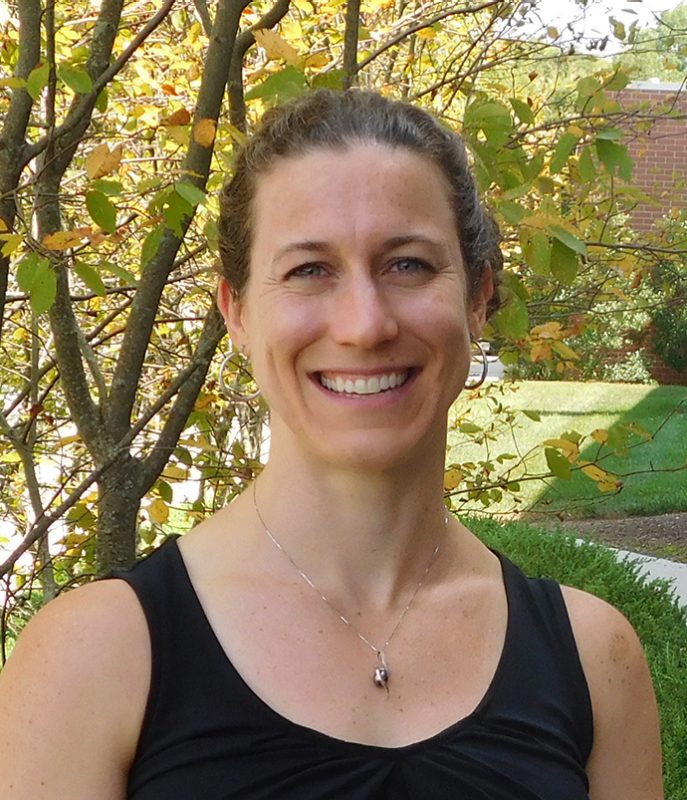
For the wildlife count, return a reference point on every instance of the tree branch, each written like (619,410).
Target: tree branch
(189,383)
(105,29)
(399,37)
(245,39)
(350,53)
(196,167)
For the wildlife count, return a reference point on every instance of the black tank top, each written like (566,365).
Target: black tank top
(207,736)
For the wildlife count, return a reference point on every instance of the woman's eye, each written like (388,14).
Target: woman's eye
(410,265)
(307,271)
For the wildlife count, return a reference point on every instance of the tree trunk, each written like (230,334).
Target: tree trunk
(118,504)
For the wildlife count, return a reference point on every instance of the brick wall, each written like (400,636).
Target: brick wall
(659,152)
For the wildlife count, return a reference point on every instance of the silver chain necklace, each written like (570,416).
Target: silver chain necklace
(382,672)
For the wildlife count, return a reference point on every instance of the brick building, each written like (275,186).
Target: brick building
(658,147)
(657,141)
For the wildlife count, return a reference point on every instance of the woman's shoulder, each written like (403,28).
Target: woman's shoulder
(75,689)
(626,758)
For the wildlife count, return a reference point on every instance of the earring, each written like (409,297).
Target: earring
(232,387)
(485,365)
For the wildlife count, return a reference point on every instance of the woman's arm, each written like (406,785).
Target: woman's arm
(626,757)
(72,697)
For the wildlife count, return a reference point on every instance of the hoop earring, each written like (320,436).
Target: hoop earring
(485,365)
(232,387)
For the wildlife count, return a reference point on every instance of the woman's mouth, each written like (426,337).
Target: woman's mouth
(371,384)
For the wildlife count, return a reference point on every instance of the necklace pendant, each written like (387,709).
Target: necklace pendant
(382,674)
(381,678)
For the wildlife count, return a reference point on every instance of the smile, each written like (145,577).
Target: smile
(371,385)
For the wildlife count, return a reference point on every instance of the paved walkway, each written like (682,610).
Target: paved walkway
(674,571)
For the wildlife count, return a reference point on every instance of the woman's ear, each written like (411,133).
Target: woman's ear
(480,301)
(232,309)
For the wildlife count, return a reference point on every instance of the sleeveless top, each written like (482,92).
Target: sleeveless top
(207,736)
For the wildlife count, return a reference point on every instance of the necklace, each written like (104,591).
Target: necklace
(382,672)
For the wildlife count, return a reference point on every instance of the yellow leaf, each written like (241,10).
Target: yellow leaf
(12,242)
(426,33)
(569,449)
(548,330)
(317,60)
(452,479)
(237,135)
(600,435)
(158,511)
(540,352)
(204,132)
(70,439)
(102,161)
(10,457)
(276,47)
(3,225)
(564,351)
(62,240)
(596,473)
(175,473)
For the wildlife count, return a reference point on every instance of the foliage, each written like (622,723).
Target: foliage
(583,449)
(659,50)
(119,126)
(660,623)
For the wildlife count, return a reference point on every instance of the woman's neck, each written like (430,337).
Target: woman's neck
(368,536)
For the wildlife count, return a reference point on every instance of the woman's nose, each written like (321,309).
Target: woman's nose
(364,315)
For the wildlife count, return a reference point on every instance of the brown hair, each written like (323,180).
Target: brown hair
(335,120)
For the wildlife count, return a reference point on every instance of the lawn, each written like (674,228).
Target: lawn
(647,485)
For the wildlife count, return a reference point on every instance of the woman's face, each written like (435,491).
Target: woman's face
(356,314)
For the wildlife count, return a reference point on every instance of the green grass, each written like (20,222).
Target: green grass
(585,407)
(649,605)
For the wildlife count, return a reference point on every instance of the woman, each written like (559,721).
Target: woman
(332,633)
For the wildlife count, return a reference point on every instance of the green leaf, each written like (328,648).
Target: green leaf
(119,272)
(110,188)
(568,239)
(614,156)
(512,320)
(535,416)
(522,110)
(165,491)
(566,144)
(283,85)
(43,288)
(512,212)
(101,210)
(558,464)
(37,80)
(102,101)
(27,269)
(469,427)
(586,165)
(192,194)
(176,213)
(90,277)
(78,80)
(332,79)
(151,244)
(610,134)
(564,262)
(536,247)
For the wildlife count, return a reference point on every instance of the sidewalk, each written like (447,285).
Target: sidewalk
(674,571)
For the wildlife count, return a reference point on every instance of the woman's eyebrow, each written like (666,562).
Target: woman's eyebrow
(308,245)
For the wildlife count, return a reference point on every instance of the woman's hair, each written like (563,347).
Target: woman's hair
(336,120)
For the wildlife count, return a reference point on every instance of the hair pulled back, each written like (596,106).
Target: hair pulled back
(337,120)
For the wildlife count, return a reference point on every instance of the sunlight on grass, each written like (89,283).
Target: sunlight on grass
(585,407)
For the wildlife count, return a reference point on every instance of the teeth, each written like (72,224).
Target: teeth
(373,385)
